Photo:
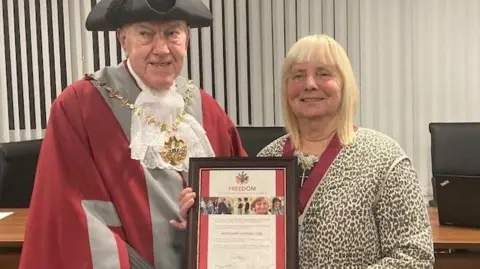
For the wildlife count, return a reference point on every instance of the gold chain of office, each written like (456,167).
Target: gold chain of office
(175,149)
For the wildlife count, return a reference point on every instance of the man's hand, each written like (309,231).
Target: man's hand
(186,198)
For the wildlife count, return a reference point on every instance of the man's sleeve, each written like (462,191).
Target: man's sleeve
(236,144)
(221,131)
(72,223)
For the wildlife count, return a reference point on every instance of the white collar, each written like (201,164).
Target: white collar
(147,141)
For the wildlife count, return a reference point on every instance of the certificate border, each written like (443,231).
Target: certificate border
(248,163)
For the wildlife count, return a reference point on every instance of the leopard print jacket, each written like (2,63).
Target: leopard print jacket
(368,211)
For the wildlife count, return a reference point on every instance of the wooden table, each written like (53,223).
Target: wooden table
(448,242)
(455,247)
(12,229)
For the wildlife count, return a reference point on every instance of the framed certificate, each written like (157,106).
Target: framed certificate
(245,214)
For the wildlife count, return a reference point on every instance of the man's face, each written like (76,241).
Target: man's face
(156,50)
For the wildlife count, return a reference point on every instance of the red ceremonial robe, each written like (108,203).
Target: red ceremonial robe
(92,205)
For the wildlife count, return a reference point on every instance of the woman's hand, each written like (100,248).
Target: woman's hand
(186,198)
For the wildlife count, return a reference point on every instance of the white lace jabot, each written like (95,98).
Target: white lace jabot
(147,141)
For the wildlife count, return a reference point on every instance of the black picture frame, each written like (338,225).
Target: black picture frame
(245,163)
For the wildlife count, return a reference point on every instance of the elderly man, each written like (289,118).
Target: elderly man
(117,147)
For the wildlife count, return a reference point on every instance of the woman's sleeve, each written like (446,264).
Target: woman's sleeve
(274,149)
(402,220)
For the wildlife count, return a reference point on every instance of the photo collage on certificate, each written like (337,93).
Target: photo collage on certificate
(238,199)
(242,218)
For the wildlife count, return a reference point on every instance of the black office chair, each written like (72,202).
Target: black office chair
(18,163)
(255,139)
(455,150)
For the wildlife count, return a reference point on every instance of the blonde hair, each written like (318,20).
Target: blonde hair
(258,199)
(325,50)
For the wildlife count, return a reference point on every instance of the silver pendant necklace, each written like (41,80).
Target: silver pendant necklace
(306,162)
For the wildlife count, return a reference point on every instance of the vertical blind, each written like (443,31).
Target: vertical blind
(416,61)
(237,60)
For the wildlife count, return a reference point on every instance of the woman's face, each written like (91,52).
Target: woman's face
(314,90)
(261,207)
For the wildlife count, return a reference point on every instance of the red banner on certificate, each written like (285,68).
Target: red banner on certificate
(244,214)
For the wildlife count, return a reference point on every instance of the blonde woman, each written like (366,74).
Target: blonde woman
(260,206)
(360,204)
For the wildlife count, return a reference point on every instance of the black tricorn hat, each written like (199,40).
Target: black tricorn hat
(109,15)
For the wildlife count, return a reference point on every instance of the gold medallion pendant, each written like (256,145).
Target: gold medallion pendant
(174,150)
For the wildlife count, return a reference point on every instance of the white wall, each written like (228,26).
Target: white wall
(416,61)
(419,63)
